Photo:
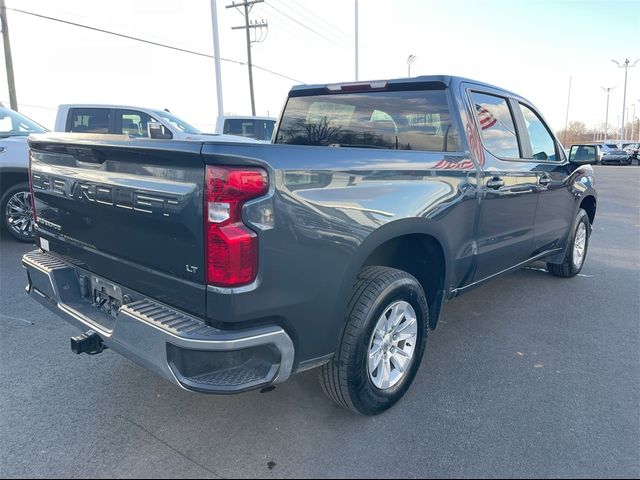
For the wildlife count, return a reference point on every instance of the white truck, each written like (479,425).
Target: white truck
(131,121)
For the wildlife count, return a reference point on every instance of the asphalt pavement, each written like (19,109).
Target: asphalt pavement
(528,376)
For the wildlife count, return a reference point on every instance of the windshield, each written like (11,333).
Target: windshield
(13,124)
(178,123)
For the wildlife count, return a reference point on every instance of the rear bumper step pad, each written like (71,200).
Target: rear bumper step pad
(174,344)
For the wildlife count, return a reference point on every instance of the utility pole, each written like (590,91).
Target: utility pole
(216,55)
(356,40)
(566,120)
(626,67)
(247,5)
(13,102)
(606,118)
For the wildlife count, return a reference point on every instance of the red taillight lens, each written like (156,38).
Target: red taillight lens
(231,247)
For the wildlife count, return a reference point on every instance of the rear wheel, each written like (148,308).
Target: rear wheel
(382,344)
(576,252)
(17,216)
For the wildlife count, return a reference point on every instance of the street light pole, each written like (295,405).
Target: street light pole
(410,60)
(633,122)
(624,126)
(566,120)
(606,118)
(216,54)
(626,67)
(357,46)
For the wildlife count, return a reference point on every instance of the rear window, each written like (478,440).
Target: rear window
(89,120)
(399,120)
(251,128)
(243,128)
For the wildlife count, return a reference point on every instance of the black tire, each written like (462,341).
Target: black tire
(17,233)
(345,379)
(568,268)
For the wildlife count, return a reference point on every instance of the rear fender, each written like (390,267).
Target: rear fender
(377,238)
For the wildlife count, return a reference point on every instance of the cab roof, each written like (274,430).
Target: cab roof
(448,81)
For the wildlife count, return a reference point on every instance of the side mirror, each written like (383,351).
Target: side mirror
(584,154)
(158,131)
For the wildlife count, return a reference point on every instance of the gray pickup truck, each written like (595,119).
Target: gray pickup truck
(227,267)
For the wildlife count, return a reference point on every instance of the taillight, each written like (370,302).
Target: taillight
(231,248)
(31,196)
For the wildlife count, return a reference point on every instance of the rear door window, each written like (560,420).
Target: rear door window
(398,120)
(496,124)
(134,123)
(89,120)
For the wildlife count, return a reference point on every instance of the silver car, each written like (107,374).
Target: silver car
(611,153)
(15,197)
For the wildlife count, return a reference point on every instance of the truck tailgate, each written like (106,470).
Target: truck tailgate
(127,210)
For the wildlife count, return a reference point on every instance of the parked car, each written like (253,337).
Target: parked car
(632,149)
(611,153)
(260,128)
(15,198)
(229,267)
(131,121)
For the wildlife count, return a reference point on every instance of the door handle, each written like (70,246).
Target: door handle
(545,180)
(495,183)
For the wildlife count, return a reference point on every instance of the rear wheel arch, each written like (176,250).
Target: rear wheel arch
(410,238)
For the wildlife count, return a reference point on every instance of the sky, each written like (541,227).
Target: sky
(531,47)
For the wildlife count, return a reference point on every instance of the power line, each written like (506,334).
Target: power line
(150,42)
(324,22)
(282,23)
(303,25)
(346,36)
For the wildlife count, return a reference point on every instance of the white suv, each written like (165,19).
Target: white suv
(131,121)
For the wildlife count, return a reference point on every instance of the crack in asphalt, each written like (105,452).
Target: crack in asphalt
(16,318)
(171,448)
